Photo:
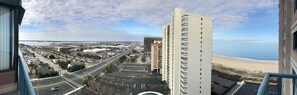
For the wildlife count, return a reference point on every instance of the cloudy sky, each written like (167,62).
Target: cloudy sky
(131,20)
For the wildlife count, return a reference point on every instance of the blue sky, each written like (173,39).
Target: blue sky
(134,27)
(131,20)
(260,26)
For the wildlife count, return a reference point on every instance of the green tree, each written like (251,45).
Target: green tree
(33,66)
(53,73)
(143,59)
(122,59)
(134,51)
(108,69)
(78,54)
(68,62)
(51,57)
(63,64)
(133,58)
(87,80)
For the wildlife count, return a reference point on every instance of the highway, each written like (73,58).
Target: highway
(67,82)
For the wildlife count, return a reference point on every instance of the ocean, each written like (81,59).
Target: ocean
(244,49)
(247,49)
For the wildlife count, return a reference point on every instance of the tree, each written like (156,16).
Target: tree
(63,64)
(78,54)
(51,57)
(108,69)
(33,66)
(122,59)
(68,61)
(134,51)
(148,68)
(87,80)
(133,58)
(53,73)
(143,59)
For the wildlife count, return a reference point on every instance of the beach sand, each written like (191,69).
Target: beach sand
(251,65)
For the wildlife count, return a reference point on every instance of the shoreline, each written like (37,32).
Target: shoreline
(246,64)
(249,59)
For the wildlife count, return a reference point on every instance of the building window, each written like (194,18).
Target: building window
(295,40)
(6,38)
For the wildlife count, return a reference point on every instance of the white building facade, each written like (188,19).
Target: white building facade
(187,54)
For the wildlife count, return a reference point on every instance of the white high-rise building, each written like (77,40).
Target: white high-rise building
(187,49)
(165,52)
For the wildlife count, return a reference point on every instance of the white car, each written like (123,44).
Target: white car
(54,88)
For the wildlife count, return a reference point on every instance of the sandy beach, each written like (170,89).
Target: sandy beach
(251,65)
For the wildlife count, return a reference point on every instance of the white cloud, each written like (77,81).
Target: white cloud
(81,16)
(81,35)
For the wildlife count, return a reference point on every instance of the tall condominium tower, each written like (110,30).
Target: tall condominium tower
(165,52)
(187,42)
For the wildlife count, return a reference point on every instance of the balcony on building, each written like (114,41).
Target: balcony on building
(14,78)
(264,87)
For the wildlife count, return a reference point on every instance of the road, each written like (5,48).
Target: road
(50,63)
(70,81)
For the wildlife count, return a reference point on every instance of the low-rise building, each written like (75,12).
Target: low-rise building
(33,60)
(95,50)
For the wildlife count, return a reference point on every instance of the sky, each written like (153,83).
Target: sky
(131,20)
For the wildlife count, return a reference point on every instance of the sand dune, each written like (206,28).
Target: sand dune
(251,65)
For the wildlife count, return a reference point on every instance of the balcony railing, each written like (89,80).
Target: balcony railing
(24,85)
(263,89)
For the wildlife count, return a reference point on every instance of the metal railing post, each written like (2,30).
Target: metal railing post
(279,85)
(263,87)
(294,86)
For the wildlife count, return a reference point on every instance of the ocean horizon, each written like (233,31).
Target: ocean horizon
(257,50)
(260,50)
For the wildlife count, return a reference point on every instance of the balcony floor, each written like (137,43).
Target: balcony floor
(9,89)
(11,93)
